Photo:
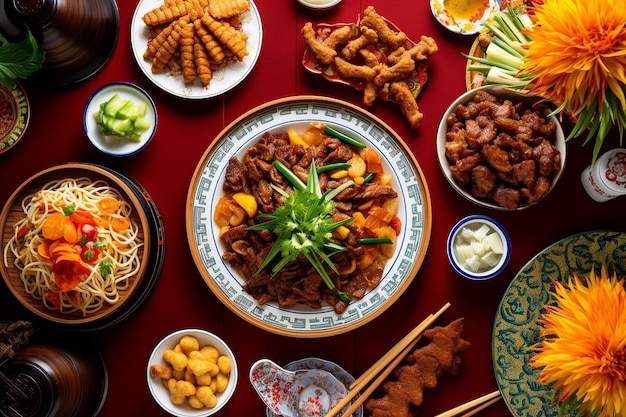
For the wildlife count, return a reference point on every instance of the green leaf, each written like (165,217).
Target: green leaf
(19,59)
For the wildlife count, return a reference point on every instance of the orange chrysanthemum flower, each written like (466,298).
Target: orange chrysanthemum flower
(583,347)
(577,56)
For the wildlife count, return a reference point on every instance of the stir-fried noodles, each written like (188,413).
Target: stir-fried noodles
(76,247)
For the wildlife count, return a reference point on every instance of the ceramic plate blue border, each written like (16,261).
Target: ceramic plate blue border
(298,112)
(515,327)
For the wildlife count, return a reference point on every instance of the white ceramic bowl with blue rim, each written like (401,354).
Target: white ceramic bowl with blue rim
(161,394)
(478,247)
(114,145)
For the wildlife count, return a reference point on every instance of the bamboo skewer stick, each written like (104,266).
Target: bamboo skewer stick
(388,362)
(479,403)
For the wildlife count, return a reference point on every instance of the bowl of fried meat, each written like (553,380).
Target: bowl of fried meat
(501,148)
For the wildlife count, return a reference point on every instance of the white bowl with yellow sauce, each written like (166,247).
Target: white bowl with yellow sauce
(465,17)
(319,4)
(478,247)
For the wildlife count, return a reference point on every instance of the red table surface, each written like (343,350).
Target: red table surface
(165,168)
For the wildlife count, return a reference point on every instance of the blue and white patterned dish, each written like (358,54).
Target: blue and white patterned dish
(298,112)
(515,328)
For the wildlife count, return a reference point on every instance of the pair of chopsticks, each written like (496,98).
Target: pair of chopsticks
(383,367)
(472,407)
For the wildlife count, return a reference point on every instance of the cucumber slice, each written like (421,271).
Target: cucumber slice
(113,105)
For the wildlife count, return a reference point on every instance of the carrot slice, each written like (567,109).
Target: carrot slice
(120,224)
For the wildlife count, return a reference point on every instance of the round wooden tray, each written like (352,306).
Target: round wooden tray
(12,213)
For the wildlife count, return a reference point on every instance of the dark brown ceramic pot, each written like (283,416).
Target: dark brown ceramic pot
(45,380)
(78,36)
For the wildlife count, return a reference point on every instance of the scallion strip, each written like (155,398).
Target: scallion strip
(331,167)
(368,177)
(291,177)
(343,137)
(374,240)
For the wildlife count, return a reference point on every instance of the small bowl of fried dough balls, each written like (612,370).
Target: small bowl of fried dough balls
(192,373)
(500,148)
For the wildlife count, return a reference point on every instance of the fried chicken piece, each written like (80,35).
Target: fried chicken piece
(338,37)
(386,35)
(187,61)
(367,37)
(221,9)
(422,369)
(201,59)
(402,94)
(399,71)
(506,197)
(548,158)
(426,47)
(321,52)
(541,188)
(369,58)
(166,52)
(497,158)
(370,93)
(165,13)
(212,46)
(233,39)
(483,181)
(525,172)
(349,70)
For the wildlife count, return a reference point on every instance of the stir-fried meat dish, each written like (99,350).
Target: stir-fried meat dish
(371,204)
(502,151)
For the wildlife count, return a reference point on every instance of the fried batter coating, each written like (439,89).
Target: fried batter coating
(322,52)
(165,13)
(367,37)
(212,46)
(202,61)
(187,60)
(370,92)
(338,37)
(426,47)
(233,39)
(402,93)
(386,35)
(369,58)
(221,9)
(155,43)
(399,71)
(422,369)
(349,70)
(165,53)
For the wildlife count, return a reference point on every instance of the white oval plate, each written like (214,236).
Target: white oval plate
(298,112)
(114,145)
(224,79)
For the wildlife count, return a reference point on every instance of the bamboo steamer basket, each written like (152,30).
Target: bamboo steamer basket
(12,213)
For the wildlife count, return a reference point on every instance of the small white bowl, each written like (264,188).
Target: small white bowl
(319,4)
(160,392)
(460,20)
(470,234)
(515,96)
(114,145)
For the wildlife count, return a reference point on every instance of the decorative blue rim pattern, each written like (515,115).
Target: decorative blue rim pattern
(515,327)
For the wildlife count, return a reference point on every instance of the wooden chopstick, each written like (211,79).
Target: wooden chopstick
(472,407)
(385,359)
(388,362)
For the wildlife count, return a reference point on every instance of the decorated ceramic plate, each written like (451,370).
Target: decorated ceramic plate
(515,328)
(14,115)
(316,363)
(416,81)
(298,112)
(462,16)
(228,76)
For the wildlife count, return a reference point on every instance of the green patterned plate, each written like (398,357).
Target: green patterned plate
(515,328)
